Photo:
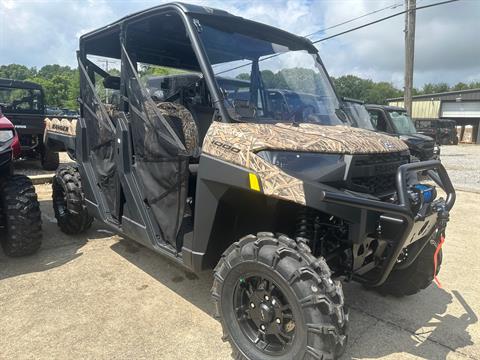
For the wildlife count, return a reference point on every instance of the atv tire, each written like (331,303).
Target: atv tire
(50,160)
(69,201)
(21,217)
(418,276)
(278,273)
(445,140)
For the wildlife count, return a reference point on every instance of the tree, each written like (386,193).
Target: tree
(56,90)
(243,76)
(16,72)
(380,92)
(460,86)
(429,88)
(351,86)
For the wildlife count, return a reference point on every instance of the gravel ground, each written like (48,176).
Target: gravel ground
(33,167)
(463,165)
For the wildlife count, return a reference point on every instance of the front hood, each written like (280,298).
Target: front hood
(238,144)
(416,138)
(302,137)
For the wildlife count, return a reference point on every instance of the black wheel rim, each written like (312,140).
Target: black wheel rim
(264,314)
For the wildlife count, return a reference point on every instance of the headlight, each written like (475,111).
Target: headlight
(6,135)
(308,166)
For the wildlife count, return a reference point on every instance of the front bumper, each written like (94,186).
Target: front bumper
(405,226)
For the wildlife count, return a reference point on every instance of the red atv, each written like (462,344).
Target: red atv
(20,219)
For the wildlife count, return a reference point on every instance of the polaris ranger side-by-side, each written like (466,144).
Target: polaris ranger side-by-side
(23,103)
(442,130)
(20,221)
(396,124)
(395,121)
(282,207)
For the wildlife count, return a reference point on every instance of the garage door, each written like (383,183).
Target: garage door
(462,109)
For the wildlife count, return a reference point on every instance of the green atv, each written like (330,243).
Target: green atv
(283,205)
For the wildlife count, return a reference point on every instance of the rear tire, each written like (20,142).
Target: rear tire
(445,140)
(69,201)
(313,322)
(50,160)
(21,216)
(418,276)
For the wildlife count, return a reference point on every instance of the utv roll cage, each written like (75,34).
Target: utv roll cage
(26,85)
(108,41)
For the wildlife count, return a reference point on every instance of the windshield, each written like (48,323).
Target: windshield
(264,81)
(358,115)
(402,122)
(20,100)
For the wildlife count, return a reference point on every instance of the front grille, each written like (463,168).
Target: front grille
(389,158)
(375,174)
(427,151)
(377,184)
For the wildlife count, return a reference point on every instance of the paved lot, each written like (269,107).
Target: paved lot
(463,165)
(33,167)
(100,296)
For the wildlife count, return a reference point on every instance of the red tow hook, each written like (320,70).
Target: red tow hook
(435,259)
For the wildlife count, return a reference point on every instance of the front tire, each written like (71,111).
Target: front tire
(445,140)
(275,300)
(69,201)
(50,160)
(22,218)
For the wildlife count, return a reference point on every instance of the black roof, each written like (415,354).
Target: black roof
(470,94)
(186,8)
(384,107)
(105,40)
(19,84)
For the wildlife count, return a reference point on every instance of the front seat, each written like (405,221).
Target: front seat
(180,115)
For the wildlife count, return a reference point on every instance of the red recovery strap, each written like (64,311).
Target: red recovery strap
(435,258)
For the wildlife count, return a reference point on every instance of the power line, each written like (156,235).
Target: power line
(394,6)
(346,31)
(383,19)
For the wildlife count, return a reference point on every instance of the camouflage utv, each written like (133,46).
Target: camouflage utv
(283,206)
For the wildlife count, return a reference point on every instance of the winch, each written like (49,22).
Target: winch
(421,196)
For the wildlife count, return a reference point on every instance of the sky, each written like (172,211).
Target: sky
(447,49)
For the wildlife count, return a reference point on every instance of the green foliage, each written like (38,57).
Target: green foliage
(378,92)
(16,72)
(61,84)
(243,76)
(435,88)
(460,86)
(352,86)
(152,70)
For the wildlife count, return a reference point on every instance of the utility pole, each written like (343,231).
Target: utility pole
(410,5)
